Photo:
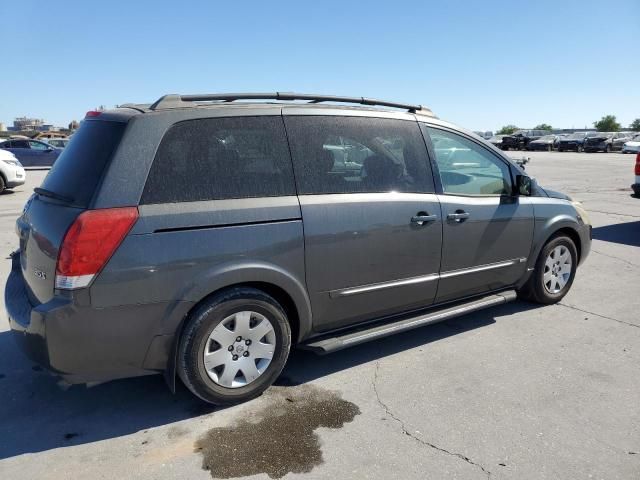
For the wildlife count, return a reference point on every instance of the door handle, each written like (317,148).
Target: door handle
(459,216)
(423,218)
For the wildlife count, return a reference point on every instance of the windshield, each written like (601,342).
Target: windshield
(577,135)
(598,134)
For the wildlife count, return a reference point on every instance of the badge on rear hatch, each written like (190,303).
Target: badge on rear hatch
(40,274)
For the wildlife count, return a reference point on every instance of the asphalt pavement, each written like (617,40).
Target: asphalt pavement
(517,392)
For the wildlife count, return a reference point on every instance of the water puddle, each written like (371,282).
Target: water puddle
(278,439)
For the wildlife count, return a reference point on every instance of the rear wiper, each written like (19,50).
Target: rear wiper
(48,193)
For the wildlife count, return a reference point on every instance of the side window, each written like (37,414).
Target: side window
(19,144)
(336,154)
(221,158)
(466,168)
(37,146)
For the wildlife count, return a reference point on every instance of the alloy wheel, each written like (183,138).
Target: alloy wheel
(557,269)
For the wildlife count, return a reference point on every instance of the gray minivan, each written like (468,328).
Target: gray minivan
(203,236)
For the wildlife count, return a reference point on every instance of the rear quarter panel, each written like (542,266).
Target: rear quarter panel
(180,253)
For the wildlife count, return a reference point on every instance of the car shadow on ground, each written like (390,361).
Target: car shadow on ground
(37,415)
(624,233)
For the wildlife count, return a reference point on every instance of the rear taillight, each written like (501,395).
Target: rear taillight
(92,113)
(637,169)
(89,244)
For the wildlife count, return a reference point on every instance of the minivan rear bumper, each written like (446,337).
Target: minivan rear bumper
(83,344)
(27,323)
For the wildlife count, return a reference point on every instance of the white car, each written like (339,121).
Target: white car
(11,171)
(632,146)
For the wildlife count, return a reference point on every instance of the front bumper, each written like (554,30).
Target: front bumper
(599,147)
(540,146)
(586,236)
(569,146)
(15,176)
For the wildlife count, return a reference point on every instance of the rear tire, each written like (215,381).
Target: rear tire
(554,272)
(3,185)
(238,313)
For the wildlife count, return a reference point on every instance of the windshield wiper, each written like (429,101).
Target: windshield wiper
(48,193)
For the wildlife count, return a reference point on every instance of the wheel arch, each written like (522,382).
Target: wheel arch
(272,280)
(561,224)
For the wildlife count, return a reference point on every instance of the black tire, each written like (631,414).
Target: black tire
(200,324)
(560,149)
(534,290)
(3,185)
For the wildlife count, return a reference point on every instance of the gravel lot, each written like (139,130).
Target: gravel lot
(519,392)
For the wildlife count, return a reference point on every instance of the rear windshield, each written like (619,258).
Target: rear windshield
(78,169)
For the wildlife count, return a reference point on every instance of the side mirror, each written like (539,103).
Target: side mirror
(524,185)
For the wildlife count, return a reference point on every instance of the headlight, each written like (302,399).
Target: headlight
(15,163)
(582,213)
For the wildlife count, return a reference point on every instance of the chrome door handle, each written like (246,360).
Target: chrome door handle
(422,219)
(458,216)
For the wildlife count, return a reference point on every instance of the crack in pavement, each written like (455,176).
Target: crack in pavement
(386,409)
(598,315)
(617,258)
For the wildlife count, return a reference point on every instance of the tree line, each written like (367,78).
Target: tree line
(608,123)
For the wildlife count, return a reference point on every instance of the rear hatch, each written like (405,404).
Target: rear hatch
(66,192)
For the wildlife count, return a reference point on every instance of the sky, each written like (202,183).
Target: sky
(480,64)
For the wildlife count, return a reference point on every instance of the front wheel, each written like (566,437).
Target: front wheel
(234,346)
(554,272)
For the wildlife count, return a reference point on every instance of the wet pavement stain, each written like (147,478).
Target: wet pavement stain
(280,438)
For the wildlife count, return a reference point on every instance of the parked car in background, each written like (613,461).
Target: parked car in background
(32,153)
(621,138)
(547,142)
(496,141)
(236,237)
(58,142)
(599,142)
(11,172)
(520,139)
(574,141)
(486,135)
(633,145)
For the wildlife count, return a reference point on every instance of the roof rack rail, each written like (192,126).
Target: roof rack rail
(182,101)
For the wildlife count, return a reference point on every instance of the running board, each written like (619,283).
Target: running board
(362,335)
